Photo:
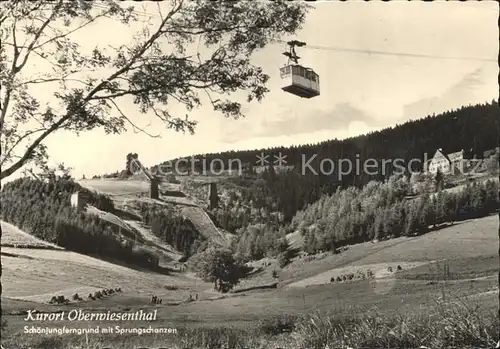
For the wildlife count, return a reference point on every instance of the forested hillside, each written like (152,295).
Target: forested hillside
(172,228)
(382,210)
(472,128)
(399,206)
(43,209)
(262,208)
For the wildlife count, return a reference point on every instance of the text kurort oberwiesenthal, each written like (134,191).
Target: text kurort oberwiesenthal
(80,315)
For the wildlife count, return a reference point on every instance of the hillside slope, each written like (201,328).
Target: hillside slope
(12,236)
(154,241)
(48,273)
(205,225)
(138,233)
(123,191)
(45,273)
(469,248)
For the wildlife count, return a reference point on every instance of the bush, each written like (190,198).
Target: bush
(102,202)
(177,231)
(450,325)
(283,259)
(278,325)
(145,257)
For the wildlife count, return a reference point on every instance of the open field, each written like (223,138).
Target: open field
(468,249)
(115,186)
(32,272)
(123,187)
(37,274)
(473,239)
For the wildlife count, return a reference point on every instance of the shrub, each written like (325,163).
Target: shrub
(219,266)
(278,325)
(143,256)
(283,259)
(177,231)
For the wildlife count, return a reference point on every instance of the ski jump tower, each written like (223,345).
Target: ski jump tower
(213,197)
(154,181)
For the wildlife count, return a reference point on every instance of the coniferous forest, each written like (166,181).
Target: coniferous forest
(381,211)
(261,208)
(43,209)
(472,128)
(399,206)
(172,228)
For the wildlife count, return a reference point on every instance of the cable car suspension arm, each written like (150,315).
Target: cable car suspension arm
(292,55)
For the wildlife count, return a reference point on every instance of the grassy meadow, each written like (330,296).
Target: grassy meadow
(446,294)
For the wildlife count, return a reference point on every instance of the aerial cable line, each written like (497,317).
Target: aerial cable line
(388,53)
(349,50)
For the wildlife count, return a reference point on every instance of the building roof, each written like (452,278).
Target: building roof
(451,157)
(490,152)
(440,151)
(455,156)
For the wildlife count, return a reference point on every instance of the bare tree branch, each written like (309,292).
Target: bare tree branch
(6,154)
(15,68)
(6,14)
(119,94)
(130,122)
(46,80)
(5,103)
(61,36)
(37,37)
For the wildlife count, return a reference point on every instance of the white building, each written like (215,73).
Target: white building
(448,163)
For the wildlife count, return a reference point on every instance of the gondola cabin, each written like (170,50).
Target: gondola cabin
(300,81)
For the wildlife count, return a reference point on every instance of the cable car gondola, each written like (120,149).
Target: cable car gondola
(298,80)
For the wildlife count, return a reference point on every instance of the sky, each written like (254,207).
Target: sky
(360,92)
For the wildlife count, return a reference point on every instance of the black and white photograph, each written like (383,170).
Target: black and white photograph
(249,174)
